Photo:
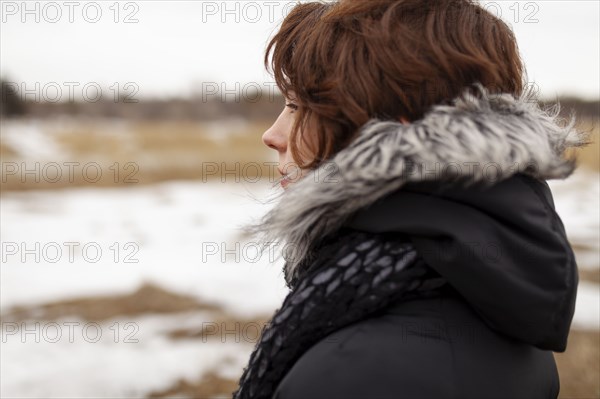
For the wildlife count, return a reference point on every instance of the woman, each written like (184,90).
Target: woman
(423,252)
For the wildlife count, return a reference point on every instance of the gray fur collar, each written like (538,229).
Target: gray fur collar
(483,140)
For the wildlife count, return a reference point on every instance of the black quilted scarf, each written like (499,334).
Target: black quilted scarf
(353,275)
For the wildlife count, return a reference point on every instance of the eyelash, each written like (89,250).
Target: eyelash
(292,106)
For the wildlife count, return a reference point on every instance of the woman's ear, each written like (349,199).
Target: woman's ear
(404,121)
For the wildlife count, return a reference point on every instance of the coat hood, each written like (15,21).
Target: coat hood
(466,183)
(503,248)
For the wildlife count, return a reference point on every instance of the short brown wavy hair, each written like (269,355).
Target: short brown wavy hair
(348,61)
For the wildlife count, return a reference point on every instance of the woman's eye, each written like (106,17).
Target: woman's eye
(292,106)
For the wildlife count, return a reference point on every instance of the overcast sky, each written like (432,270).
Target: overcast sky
(176,45)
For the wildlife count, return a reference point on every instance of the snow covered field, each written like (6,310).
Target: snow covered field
(185,237)
(172,235)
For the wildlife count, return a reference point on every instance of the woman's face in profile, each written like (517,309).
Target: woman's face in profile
(277,137)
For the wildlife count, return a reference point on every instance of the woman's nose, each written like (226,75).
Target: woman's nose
(274,140)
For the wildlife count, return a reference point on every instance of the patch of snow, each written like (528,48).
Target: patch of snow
(72,358)
(587,307)
(577,202)
(31,141)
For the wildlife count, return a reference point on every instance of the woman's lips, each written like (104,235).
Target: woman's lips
(285,179)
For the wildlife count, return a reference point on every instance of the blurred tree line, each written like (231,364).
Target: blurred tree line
(11,103)
(250,105)
(255,106)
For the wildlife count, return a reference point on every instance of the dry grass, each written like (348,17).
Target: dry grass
(224,322)
(591,275)
(6,152)
(148,299)
(144,153)
(579,366)
(589,156)
(210,385)
(150,152)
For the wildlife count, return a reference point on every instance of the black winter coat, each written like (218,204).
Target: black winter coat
(505,253)
(467,186)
